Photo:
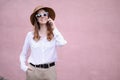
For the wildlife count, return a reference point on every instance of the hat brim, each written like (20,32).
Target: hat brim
(48,9)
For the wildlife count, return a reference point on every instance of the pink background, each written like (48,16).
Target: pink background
(91,27)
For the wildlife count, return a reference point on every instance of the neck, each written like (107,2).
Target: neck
(43,28)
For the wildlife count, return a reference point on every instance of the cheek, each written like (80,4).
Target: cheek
(46,18)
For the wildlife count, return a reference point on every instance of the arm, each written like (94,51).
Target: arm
(24,53)
(60,41)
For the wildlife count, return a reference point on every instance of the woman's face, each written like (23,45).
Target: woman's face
(42,16)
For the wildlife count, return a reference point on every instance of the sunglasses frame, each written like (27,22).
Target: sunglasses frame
(41,15)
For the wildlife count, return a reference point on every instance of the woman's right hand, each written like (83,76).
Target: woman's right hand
(29,68)
(53,23)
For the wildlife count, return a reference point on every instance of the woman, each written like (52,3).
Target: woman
(42,42)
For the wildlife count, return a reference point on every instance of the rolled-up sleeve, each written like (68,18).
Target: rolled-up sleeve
(60,41)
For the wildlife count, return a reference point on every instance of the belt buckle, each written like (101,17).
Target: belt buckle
(45,66)
(42,66)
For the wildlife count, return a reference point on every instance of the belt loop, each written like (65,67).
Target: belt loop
(35,66)
(40,66)
(48,65)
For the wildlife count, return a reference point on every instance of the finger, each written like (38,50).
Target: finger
(30,69)
(50,19)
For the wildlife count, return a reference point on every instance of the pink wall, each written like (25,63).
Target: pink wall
(91,28)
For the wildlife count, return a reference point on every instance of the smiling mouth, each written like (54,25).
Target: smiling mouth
(43,20)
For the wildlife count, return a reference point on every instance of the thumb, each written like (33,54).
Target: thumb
(30,69)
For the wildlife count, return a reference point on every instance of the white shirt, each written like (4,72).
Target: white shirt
(42,51)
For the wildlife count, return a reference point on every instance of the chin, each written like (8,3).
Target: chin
(43,22)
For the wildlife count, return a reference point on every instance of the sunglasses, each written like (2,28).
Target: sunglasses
(42,15)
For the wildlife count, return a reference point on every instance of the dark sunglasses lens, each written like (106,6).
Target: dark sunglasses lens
(38,15)
(45,14)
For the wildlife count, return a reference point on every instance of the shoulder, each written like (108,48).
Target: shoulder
(29,34)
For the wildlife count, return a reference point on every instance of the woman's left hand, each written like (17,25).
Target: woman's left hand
(53,23)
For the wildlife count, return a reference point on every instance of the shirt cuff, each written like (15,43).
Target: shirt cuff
(24,68)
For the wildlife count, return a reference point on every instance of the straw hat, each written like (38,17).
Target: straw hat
(48,9)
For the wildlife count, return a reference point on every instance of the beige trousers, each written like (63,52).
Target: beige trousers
(41,73)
